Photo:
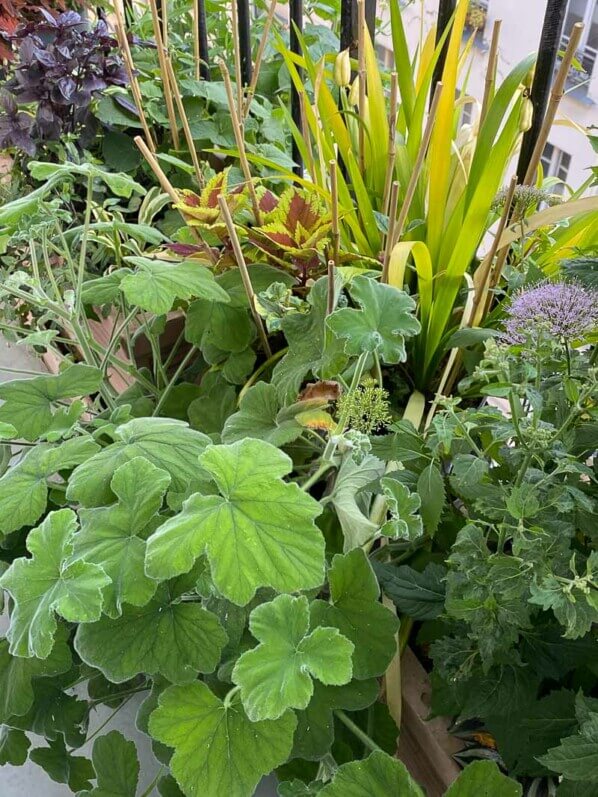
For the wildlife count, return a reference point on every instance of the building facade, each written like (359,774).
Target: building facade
(569,154)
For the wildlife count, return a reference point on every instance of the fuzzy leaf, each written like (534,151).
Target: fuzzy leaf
(62,767)
(116,765)
(484,779)
(430,488)
(113,538)
(257,417)
(235,753)
(259,532)
(47,584)
(14,745)
(312,348)
(576,758)
(28,402)
(277,674)
(156,284)
(350,506)
(405,523)
(418,595)
(16,674)
(354,609)
(168,444)
(378,775)
(167,637)
(315,726)
(383,323)
(218,324)
(24,489)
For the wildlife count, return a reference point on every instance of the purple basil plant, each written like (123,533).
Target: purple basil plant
(62,64)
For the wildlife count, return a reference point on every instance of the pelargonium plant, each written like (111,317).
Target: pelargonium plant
(62,64)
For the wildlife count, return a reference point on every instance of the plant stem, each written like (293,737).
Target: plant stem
(257,373)
(108,719)
(166,392)
(348,722)
(83,249)
(229,696)
(325,466)
(152,785)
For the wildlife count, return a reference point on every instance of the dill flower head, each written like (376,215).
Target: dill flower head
(563,310)
(524,198)
(367,408)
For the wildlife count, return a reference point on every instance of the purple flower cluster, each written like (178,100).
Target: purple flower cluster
(563,310)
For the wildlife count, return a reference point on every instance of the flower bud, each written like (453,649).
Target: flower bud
(526,115)
(354,93)
(342,69)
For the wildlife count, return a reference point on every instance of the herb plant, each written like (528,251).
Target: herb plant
(62,64)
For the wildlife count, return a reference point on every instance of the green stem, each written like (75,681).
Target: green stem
(152,785)
(342,422)
(256,374)
(166,392)
(325,466)
(361,735)
(228,699)
(116,333)
(118,695)
(378,369)
(108,720)
(83,249)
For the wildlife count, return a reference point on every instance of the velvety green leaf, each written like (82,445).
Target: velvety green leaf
(55,713)
(116,765)
(217,400)
(261,275)
(168,787)
(218,324)
(113,536)
(16,674)
(238,366)
(418,595)
(484,779)
(257,417)
(46,584)
(354,609)
(156,284)
(62,767)
(536,728)
(170,637)
(576,758)
(382,324)
(104,289)
(14,745)
(570,788)
(405,522)
(297,788)
(119,183)
(168,444)
(312,347)
(277,674)
(575,605)
(259,532)
(378,775)
(351,507)
(315,725)
(28,402)
(430,488)
(235,753)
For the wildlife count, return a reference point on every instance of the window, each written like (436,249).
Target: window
(586,12)
(385,56)
(556,163)
(467,114)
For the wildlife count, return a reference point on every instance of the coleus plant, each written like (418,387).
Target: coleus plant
(62,64)
(207,547)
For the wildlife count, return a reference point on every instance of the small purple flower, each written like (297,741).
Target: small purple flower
(563,310)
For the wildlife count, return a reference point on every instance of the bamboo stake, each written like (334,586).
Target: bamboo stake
(185,122)
(196,43)
(164,9)
(556,95)
(121,35)
(490,81)
(482,275)
(259,56)
(392,136)
(165,82)
(237,57)
(392,221)
(168,188)
(239,138)
(234,238)
(362,81)
(395,234)
(333,261)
